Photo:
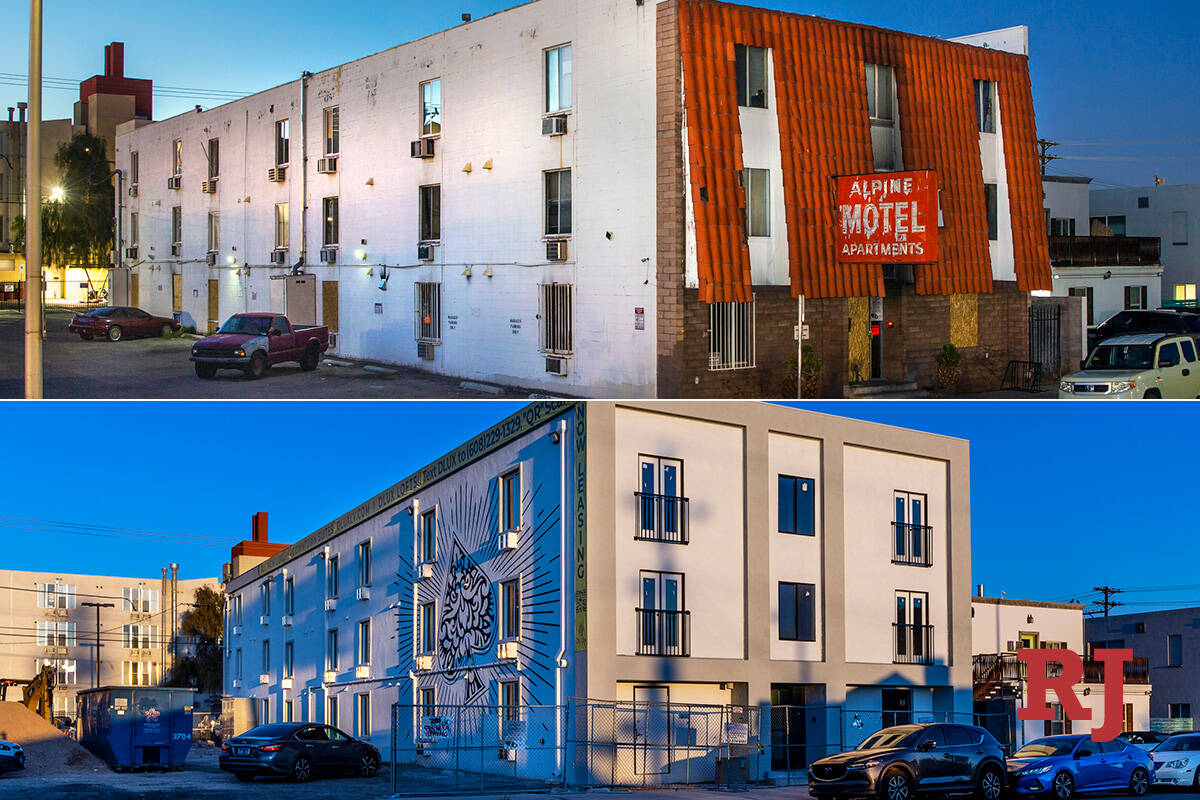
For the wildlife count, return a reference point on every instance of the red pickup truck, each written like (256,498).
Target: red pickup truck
(254,342)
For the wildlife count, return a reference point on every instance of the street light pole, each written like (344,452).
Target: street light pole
(33,220)
(98,606)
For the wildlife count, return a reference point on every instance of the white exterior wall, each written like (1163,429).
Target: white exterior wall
(796,558)
(493,103)
(995,170)
(1067,199)
(870,480)
(1108,286)
(712,561)
(769,258)
(1181,262)
(993,626)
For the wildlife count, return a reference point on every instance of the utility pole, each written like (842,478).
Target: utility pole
(1107,603)
(1044,146)
(97,606)
(174,614)
(33,222)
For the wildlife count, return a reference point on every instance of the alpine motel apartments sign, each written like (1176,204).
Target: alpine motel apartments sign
(888,218)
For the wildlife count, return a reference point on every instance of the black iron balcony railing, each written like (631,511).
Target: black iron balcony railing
(661,518)
(1136,671)
(664,633)
(1105,251)
(912,544)
(912,644)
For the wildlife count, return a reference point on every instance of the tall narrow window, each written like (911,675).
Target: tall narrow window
(555,328)
(133,168)
(363,654)
(331,576)
(1135,297)
(910,529)
(558,202)
(797,612)
(364,563)
(758,201)
(264,597)
(362,715)
(428,305)
(214,231)
(331,711)
(985,106)
(133,229)
(991,198)
(510,703)
(558,78)
(177,157)
(332,125)
(510,610)
(281,226)
(510,501)
(429,537)
(428,628)
(1174,650)
(289,659)
(431,213)
(214,159)
(331,650)
(751,76)
(427,703)
(881,109)
(662,506)
(266,657)
(797,505)
(283,142)
(329,208)
(176,227)
(289,595)
(431,108)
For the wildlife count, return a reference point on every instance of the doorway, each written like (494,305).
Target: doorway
(652,730)
(662,613)
(876,338)
(896,705)
(214,297)
(791,704)
(912,627)
(177,293)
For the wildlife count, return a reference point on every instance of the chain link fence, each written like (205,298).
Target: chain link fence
(477,749)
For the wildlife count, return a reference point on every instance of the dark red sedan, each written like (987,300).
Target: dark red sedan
(116,322)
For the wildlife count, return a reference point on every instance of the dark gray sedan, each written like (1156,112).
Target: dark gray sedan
(298,750)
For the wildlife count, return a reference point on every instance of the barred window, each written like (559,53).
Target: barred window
(428,306)
(554,315)
(731,336)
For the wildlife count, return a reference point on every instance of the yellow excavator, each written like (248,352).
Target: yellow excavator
(38,694)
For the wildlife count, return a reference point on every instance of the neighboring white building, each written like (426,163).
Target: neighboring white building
(1168,213)
(1000,627)
(43,621)
(1112,273)
(718,556)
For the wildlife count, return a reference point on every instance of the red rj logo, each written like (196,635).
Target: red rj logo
(1064,686)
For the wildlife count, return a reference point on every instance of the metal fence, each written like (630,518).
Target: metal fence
(462,750)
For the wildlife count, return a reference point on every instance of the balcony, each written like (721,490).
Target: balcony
(1137,671)
(664,633)
(1105,251)
(912,644)
(661,518)
(912,545)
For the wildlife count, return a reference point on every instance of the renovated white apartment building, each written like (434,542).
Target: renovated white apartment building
(45,620)
(558,196)
(1000,628)
(717,555)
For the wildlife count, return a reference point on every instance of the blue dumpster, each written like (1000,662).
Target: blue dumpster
(134,727)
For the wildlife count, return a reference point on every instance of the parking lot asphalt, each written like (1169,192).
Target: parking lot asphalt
(160,369)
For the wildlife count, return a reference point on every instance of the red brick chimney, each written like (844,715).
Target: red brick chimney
(258,526)
(114,60)
(249,553)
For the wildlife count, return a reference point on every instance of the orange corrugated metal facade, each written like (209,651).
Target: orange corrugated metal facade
(821,100)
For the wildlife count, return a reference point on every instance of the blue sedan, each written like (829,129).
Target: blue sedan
(1063,765)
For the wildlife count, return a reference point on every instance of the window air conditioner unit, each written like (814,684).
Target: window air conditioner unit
(276,174)
(265,619)
(424,663)
(363,593)
(286,620)
(58,612)
(264,677)
(279,256)
(209,186)
(176,249)
(133,190)
(362,671)
(174,182)
(426,350)
(426,571)
(327,165)
(237,682)
(507,651)
(507,540)
(556,250)
(330,675)
(425,252)
(131,252)
(554,126)
(237,630)
(285,684)
(556,366)
(423,148)
(331,604)
(211,259)
(328,255)
(506,754)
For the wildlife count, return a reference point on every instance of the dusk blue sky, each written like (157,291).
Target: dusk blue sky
(1064,496)
(1103,71)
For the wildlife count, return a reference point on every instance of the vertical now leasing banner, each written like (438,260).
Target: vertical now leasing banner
(581,629)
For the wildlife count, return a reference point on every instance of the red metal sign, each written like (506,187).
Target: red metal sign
(888,218)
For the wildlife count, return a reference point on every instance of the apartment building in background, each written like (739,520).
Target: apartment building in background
(1002,627)
(594,198)
(1170,214)
(1112,273)
(1168,642)
(684,556)
(45,622)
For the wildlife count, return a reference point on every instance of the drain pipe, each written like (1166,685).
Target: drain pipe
(560,662)
(305,77)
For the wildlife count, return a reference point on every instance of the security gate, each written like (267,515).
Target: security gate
(1045,337)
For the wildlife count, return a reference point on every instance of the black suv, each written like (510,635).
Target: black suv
(900,763)
(1124,322)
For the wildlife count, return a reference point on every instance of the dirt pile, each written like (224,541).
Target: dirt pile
(47,750)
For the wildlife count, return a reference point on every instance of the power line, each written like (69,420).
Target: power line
(74,84)
(1107,603)
(1127,143)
